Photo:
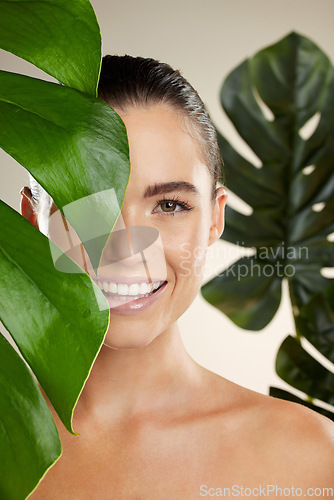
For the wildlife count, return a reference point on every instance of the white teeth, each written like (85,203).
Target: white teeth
(122,289)
(135,290)
(143,288)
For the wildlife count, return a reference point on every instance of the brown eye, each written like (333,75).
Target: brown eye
(172,206)
(168,206)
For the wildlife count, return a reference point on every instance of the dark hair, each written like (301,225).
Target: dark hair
(127,81)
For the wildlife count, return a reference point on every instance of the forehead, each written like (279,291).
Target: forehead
(163,146)
(163,149)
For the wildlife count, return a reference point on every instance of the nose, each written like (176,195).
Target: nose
(130,242)
(130,235)
(134,247)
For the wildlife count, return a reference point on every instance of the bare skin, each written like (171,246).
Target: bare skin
(152,423)
(207,432)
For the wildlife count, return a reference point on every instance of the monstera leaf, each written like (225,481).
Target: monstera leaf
(58,36)
(73,144)
(76,147)
(58,321)
(291,194)
(29,437)
(315,323)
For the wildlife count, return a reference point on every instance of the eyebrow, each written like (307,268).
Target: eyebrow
(168,187)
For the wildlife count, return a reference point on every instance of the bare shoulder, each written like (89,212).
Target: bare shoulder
(306,435)
(295,441)
(288,443)
(300,425)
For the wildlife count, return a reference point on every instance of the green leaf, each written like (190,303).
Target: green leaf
(245,294)
(74,145)
(280,394)
(29,440)
(60,37)
(294,79)
(299,369)
(315,322)
(57,320)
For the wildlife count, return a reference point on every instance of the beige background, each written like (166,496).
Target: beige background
(205,40)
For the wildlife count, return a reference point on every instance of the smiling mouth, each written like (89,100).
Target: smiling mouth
(126,292)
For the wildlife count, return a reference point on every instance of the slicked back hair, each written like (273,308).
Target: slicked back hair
(127,81)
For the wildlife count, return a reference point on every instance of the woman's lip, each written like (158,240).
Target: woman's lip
(134,306)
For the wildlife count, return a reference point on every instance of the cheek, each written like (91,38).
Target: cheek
(185,252)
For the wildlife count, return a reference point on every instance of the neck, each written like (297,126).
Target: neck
(129,382)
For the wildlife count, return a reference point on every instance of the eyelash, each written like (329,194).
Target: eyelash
(186,207)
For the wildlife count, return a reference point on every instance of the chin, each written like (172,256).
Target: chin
(127,343)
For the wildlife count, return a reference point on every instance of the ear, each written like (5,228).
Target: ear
(218,215)
(28,206)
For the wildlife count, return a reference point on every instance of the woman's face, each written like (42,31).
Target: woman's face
(168,207)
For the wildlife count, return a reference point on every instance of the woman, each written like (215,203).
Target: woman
(154,424)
